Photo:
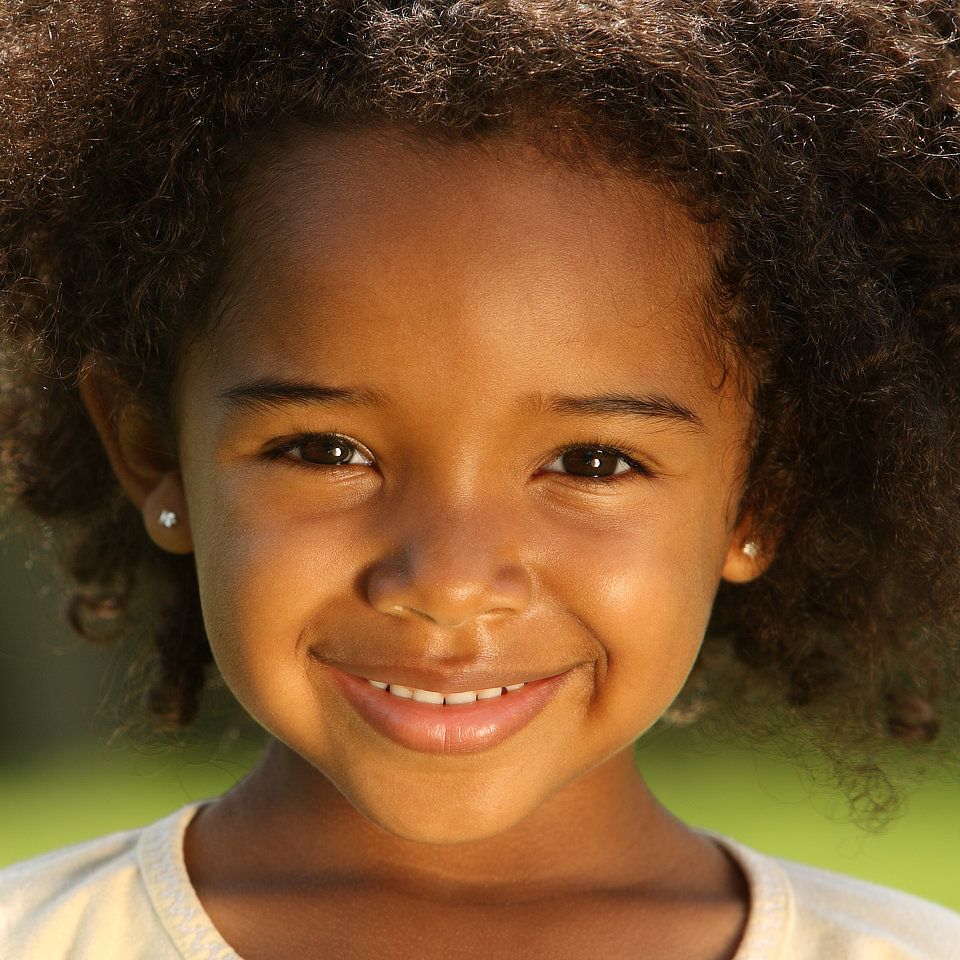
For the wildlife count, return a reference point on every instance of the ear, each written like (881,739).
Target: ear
(141,456)
(749,553)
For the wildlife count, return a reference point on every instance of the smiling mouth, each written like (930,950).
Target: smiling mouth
(451,699)
(438,721)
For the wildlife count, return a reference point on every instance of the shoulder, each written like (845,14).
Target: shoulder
(860,913)
(86,901)
(800,912)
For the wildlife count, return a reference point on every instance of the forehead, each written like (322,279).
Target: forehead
(346,226)
(355,174)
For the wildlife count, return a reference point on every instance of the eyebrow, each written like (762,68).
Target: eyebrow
(654,407)
(275,394)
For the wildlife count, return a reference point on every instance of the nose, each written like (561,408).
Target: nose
(450,569)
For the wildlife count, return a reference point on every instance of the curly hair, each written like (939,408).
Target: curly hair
(821,137)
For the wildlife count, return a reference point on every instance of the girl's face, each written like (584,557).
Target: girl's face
(456,431)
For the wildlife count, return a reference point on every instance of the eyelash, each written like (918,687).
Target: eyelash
(284,449)
(610,446)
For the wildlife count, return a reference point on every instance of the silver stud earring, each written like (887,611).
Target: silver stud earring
(168,519)
(751,549)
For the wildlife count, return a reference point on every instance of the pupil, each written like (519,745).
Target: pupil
(590,463)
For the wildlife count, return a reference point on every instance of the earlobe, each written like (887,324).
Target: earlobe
(141,457)
(747,556)
(165,514)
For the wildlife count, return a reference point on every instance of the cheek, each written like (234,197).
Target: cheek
(644,590)
(655,568)
(266,579)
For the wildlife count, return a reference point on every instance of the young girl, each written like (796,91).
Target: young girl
(448,374)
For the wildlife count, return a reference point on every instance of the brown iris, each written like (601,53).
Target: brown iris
(591,462)
(329,451)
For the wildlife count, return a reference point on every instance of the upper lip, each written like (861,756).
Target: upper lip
(455,680)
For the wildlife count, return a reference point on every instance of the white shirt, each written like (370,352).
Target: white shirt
(128,897)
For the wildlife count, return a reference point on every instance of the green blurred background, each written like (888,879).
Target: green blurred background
(64,778)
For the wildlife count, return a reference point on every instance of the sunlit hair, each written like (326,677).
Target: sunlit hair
(819,140)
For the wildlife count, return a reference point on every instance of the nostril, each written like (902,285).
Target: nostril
(446,597)
(396,610)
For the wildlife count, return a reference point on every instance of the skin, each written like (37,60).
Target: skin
(456,291)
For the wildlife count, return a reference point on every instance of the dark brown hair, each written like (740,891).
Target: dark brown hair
(821,138)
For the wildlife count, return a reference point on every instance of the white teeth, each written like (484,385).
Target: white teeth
(468,696)
(454,699)
(427,696)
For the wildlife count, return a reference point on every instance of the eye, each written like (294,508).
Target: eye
(325,450)
(593,463)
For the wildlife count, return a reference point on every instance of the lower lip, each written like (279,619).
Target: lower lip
(455,729)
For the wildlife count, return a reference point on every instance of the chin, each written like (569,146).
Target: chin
(443,813)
